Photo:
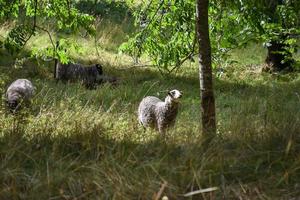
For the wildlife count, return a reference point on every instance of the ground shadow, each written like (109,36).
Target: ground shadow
(43,165)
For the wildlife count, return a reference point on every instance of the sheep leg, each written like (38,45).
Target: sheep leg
(140,122)
(162,131)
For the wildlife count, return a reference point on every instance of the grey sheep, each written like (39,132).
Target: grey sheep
(158,114)
(89,75)
(19,91)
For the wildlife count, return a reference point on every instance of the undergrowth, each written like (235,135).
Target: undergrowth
(73,143)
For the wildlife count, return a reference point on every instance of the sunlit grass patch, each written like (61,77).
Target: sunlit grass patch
(77,143)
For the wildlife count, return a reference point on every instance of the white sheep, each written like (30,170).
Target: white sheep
(158,114)
(20,90)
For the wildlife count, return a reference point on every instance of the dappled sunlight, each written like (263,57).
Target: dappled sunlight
(78,143)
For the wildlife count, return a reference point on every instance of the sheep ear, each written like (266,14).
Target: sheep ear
(169,93)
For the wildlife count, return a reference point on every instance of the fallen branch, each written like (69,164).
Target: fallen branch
(201,191)
(161,190)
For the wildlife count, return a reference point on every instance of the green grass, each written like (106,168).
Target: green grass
(74,143)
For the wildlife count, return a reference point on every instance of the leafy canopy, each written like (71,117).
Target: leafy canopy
(33,15)
(167,28)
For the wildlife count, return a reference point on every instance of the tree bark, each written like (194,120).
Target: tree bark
(278,58)
(208,115)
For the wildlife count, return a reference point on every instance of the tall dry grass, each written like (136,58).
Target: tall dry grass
(74,143)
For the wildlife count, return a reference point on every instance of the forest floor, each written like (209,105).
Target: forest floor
(74,143)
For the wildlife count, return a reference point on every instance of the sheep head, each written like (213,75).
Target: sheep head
(174,96)
(99,69)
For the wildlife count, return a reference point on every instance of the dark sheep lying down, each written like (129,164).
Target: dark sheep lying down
(19,91)
(89,75)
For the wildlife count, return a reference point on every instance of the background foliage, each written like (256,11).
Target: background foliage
(41,15)
(167,29)
(73,143)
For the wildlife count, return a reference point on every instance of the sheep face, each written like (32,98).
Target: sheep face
(175,95)
(12,104)
(99,69)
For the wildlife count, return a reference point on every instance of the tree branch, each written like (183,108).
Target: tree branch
(43,29)
(34,18)
(69,7)
(34,25)
(160,5)
(185,58)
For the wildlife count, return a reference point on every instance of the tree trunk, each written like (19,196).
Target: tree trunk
(205,71)
(278,58)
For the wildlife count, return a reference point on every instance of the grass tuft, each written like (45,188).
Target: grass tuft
(73,143)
